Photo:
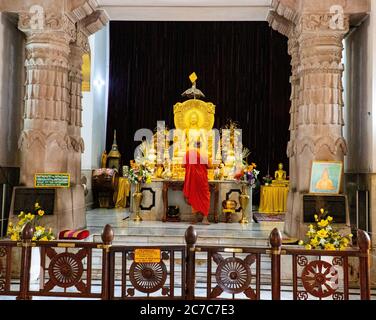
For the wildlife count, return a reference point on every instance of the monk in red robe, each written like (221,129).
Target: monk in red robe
(196,185)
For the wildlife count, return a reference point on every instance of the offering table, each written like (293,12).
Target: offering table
(162,193)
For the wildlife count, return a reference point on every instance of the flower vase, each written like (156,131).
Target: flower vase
(137,198)
(244,202)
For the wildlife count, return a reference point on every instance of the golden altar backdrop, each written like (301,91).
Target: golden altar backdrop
(273,199)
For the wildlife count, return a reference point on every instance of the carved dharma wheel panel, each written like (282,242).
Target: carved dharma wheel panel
(320,278)
(148,277)
(234,275)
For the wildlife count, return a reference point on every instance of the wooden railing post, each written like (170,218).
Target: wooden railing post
(190,240)
(107,238)
(275,240)
(26,237)
(364,243)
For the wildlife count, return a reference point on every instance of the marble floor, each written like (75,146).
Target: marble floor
(157,232)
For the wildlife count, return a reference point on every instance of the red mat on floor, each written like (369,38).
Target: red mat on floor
(266,217)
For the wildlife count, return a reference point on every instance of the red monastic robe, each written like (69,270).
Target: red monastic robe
(196,185)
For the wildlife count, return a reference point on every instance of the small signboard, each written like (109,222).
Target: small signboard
(147,255)
(51,180)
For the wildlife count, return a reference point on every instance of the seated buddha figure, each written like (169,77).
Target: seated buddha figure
(194,133)
(280,176)
(325,183)
(194,120)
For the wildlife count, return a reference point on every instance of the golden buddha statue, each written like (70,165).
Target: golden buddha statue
(193,123)
(194,120)
(193,134)
(280,176)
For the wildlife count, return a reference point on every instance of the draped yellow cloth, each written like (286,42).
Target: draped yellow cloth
(124,188)
(273,199)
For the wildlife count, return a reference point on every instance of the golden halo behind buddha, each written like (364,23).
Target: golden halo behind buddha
(194,114)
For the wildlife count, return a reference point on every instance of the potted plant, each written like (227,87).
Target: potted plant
(248,175)
(41,233)
(138,174)
(322,236)
(268,179)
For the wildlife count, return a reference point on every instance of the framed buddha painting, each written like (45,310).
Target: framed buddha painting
(326,177)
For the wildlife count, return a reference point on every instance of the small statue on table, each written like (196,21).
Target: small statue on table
(159,171)
(104,159)
(280,176)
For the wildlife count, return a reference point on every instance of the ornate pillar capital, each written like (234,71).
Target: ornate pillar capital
(320,37)
(40,24)
(322,29)
(325,22)
(82,41)
(280,23)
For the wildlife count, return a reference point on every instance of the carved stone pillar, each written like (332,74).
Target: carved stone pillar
(44,140)
(56,36)
(319,114)
(76,146)
(293,49)
(51,140)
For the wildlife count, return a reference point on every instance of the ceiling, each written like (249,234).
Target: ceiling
(186,10)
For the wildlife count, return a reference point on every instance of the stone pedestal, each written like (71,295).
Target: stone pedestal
(68,203)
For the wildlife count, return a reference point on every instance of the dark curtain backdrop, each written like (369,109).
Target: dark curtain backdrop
(242,67)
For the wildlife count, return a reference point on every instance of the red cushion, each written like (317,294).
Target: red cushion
(73,234)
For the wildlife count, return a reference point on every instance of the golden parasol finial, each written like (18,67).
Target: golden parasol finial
(193,77)
(193,92)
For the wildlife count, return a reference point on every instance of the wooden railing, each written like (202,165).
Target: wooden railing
(108,272)
(315,274)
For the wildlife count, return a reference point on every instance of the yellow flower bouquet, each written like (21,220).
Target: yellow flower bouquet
(322,236)
(40,232)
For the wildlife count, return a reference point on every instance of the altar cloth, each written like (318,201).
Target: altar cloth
(273,199)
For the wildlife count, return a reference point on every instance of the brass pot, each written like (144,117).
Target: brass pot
(229,204)
(244,202)
(137,199)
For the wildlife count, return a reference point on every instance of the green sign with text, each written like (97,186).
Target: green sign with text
(52,180)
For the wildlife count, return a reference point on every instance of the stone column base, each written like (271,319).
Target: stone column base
(69,210)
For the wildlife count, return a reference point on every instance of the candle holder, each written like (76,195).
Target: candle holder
(244,202)
(137,198)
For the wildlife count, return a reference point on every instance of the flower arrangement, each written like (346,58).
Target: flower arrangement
(248,175)
(268,179)
(322,236)
(40,232)
(139,173)
(229,135)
